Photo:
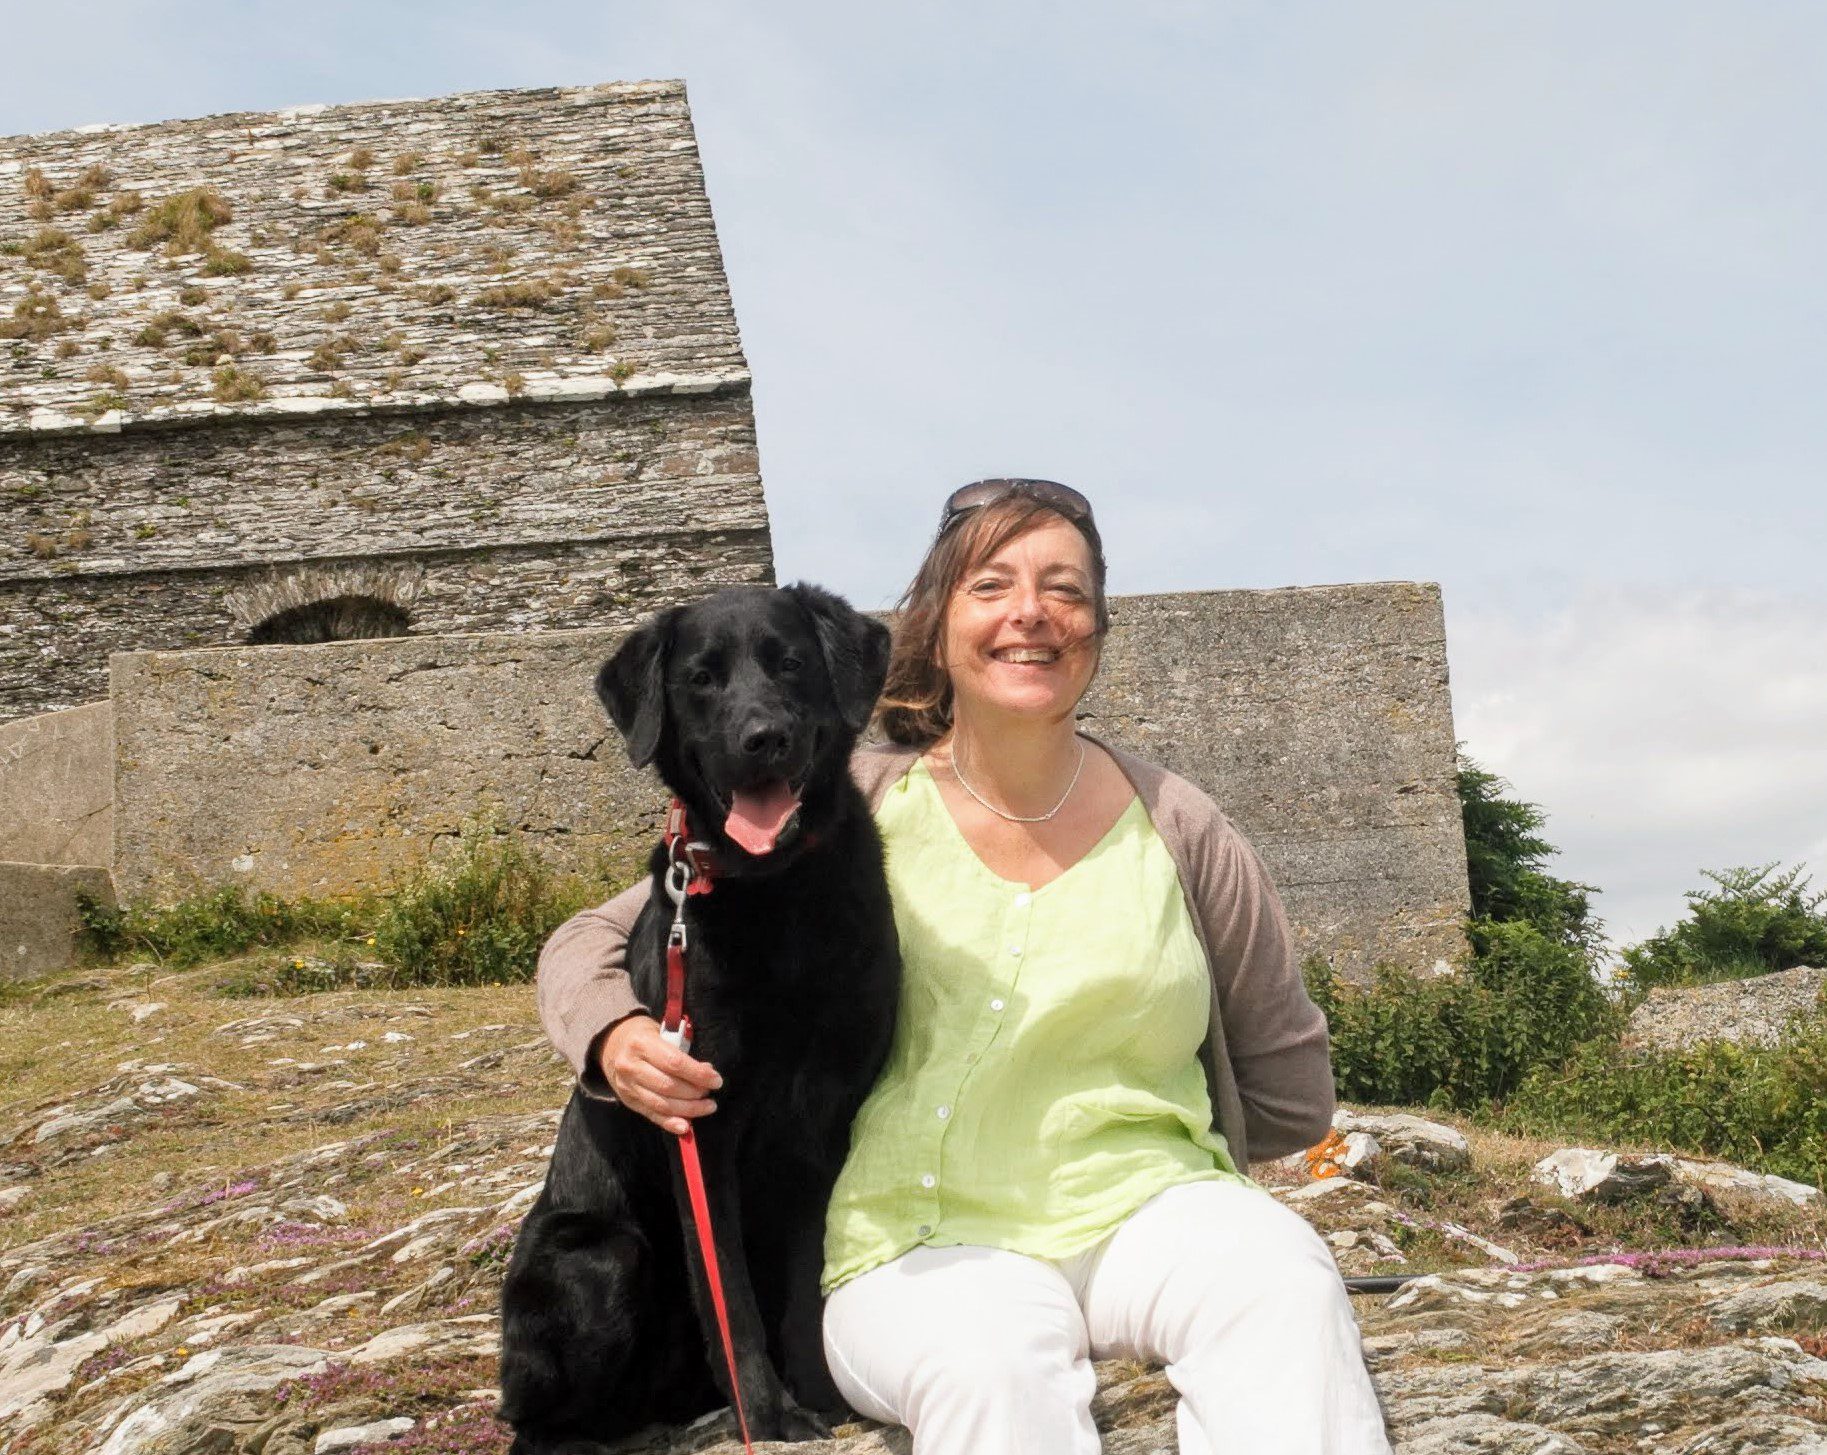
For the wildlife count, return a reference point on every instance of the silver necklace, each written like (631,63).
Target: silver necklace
(964,783)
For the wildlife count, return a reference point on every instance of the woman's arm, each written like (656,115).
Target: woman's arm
(583,985)
(1274,1035)
(592,1015)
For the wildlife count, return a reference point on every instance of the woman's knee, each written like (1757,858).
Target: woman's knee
(1002,1330)
(1205,1263)
(1009,1370)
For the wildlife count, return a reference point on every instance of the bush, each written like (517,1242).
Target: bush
(479,916)
(1467,1038)
(215,924)
(1527,997)
(1754,921)
(1756,1105)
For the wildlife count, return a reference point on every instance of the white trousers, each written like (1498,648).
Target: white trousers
(984,1352)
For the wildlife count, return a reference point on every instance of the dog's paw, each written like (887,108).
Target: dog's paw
(799,1423)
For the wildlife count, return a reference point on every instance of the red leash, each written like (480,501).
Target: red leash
(689,872)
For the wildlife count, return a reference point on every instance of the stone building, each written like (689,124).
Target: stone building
(411,367)
(463,377)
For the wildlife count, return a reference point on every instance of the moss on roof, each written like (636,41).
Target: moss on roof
(552,243)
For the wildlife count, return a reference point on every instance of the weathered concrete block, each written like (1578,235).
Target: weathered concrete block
(38,921)
(1319,719)
(57,787)
(315,770)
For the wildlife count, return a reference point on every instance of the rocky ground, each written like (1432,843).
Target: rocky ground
(277,1226)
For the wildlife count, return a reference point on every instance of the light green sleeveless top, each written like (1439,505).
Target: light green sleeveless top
(1044,1080)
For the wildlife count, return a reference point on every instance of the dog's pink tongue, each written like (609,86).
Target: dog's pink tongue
(757,815)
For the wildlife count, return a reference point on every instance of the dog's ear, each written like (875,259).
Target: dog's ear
(631,685)
(855,651)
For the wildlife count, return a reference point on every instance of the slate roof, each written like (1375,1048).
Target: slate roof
(392,255)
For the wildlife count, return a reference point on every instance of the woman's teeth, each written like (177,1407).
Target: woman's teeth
(1026,654)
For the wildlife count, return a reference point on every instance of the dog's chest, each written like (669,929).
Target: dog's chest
(790,974)
(781,988)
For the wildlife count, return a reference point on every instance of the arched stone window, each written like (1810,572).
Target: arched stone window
(327,604)
(334,619)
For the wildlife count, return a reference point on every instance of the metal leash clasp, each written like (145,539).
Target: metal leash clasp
(678,885)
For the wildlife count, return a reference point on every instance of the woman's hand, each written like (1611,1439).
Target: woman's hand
(648,1075)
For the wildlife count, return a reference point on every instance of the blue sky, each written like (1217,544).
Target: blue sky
(1525,298)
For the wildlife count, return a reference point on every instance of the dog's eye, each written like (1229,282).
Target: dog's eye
(701,678)
(790,663)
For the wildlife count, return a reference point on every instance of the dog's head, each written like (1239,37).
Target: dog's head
(749,703)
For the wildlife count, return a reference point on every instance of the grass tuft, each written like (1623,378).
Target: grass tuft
(235,385)
(528,293)
(55,251)
(223,263)
(36,317)
(183,222)
(547,185)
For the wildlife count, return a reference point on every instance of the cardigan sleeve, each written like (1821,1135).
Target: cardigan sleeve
(583,985)
(1275,1036)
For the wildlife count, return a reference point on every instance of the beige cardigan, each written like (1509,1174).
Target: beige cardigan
(1266,1058)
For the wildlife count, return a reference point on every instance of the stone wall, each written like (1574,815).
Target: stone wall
(497,519)
(1319,718)
(57,788)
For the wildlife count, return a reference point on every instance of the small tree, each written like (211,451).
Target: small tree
(1504,856)
(1754,921)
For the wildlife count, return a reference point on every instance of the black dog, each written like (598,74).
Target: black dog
(749,703)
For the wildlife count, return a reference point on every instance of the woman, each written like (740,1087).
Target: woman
(1100,1022)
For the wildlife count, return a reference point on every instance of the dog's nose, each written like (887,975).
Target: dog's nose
(763,741)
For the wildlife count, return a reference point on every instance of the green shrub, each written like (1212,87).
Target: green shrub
(1755,920)
(1526,998)
(1469,1037)
(215,924)
(478,916)
(1760,1106)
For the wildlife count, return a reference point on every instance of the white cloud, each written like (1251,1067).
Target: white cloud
(1663,731)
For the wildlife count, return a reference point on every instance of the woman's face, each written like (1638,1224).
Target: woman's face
(1019,634)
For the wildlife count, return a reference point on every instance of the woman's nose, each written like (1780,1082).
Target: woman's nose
(1024,604)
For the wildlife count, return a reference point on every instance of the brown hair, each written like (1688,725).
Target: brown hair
(916,705)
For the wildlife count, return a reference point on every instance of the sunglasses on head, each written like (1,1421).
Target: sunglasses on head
(1063,498)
